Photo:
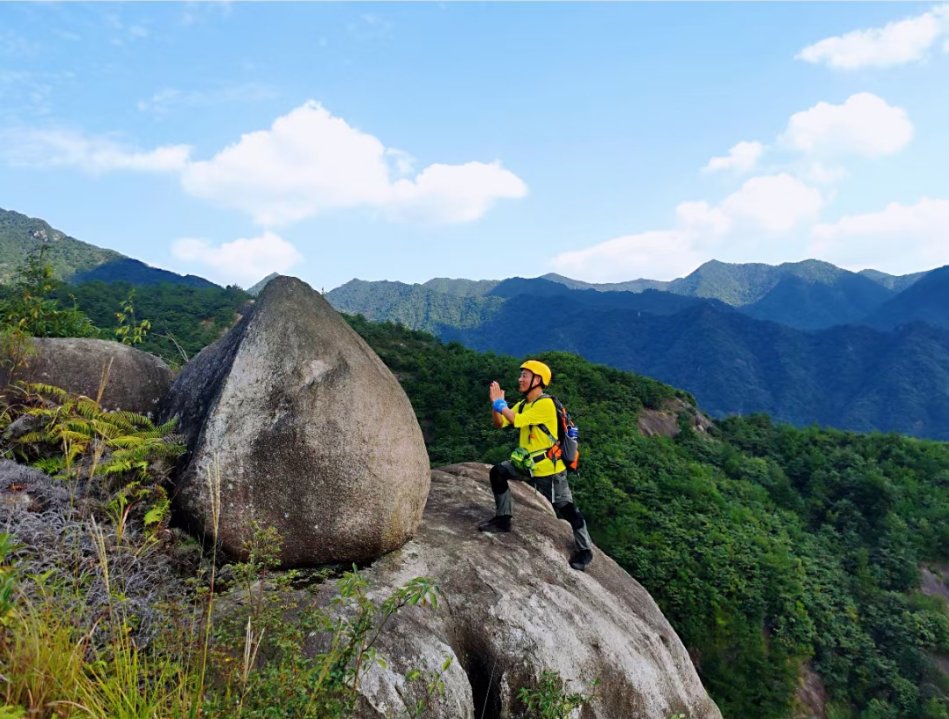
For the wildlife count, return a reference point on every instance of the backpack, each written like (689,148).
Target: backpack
(566,445)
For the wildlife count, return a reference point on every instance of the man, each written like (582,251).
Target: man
(548,476)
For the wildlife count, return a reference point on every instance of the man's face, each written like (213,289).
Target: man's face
(524,380)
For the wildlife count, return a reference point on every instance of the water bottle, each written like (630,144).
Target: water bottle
(573,432)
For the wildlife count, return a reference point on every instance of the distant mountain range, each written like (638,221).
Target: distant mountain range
(807,295)
(72,260)
(805,342)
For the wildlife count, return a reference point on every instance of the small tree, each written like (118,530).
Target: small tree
(32,310)
(128,331)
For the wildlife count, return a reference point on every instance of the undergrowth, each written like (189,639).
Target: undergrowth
(97,621)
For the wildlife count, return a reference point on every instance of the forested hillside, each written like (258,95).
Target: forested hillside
(72,260)
(181,319)
(415,306)
(925,301)
(21,235)
(775,552)
(769,548)
(733,359)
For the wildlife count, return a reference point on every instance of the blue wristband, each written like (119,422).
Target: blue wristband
(499,404)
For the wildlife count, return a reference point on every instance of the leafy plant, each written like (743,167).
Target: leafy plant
(128,331)
(133,495)
(32,308)
(7,579)
(76,438)
(323,684)
(16,348)
(434,687)
(43,656)
(550,699)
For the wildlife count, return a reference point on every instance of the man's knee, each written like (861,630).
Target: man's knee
(569,512)
(498,479)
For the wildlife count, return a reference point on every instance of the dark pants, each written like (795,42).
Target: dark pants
(554,487)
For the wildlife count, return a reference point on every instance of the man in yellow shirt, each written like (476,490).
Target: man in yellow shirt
(548,476)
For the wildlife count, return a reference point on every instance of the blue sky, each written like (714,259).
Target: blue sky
(603,141)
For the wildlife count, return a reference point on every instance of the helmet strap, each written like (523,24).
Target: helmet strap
(533,386)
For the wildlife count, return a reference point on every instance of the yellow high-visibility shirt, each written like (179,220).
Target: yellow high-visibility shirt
(528,416)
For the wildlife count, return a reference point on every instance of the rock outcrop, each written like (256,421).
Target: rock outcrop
(664,422)
(513,608)
(134,380)
(307,432)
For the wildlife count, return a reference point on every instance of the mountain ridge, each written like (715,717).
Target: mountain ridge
(75,261)
(817,365)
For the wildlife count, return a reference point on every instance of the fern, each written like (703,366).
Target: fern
(78,440)
(81,440)
(53,392)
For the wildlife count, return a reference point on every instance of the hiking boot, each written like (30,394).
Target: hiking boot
(496,524)
(581,559)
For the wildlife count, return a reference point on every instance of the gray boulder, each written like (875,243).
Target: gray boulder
(134,380)
(513,608)
(304,430)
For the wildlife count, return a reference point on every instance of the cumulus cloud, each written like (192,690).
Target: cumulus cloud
(775,203)
(741,157)
(67,148)
(243,261)
(310,161)
(763,209)
(863,125)
(661,254)
(896,43)
(454,193)
(821,173)
(306,163)
(902,238)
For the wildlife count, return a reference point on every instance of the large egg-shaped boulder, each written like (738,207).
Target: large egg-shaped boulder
(294,423)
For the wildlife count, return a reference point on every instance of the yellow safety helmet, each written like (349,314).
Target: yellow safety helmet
(539,369)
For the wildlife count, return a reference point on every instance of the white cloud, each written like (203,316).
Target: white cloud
(66,148)
(775,203)
(454,193)
(243,261)
(741,157)
(864,125)
(663,254)
(762,212)
(310,161)
(306,163)
(901,238)
(896,43)
(821,173)
(700,217)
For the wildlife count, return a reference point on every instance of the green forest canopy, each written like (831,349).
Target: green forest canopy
(766,546)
